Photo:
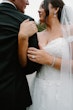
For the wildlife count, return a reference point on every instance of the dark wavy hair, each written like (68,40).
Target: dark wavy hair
(56,4)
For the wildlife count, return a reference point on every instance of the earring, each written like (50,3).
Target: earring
(55,14)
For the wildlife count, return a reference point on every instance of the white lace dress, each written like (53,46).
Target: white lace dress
(48,92)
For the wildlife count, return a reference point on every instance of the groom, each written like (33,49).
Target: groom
(14,90)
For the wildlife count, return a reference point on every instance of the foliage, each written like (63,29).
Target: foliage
(41,27)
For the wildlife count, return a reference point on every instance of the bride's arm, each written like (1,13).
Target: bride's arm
(22,49)
(27,29)
(55,62)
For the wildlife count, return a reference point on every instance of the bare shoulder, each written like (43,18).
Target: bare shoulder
(41,38)
(40,35)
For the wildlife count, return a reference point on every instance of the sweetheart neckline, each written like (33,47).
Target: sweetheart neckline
(52,41)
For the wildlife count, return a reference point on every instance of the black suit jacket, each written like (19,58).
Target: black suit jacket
(14,90)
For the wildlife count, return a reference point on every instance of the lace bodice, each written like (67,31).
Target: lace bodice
(55,48)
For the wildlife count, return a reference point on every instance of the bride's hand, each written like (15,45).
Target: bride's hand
(39,56)
(27,29)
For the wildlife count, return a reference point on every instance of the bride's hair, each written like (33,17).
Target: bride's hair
(56,4)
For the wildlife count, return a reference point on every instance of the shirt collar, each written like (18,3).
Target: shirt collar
(8,2)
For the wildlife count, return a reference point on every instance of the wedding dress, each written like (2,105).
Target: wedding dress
(49,91)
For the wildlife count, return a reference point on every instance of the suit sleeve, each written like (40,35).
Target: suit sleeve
(32,66)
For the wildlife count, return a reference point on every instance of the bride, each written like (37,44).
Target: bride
(52,88)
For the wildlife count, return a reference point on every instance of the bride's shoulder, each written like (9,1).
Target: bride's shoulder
(40,34)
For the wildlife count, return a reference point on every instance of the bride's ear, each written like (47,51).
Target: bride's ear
(56,10)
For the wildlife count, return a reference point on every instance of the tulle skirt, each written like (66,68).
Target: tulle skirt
(51,95)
